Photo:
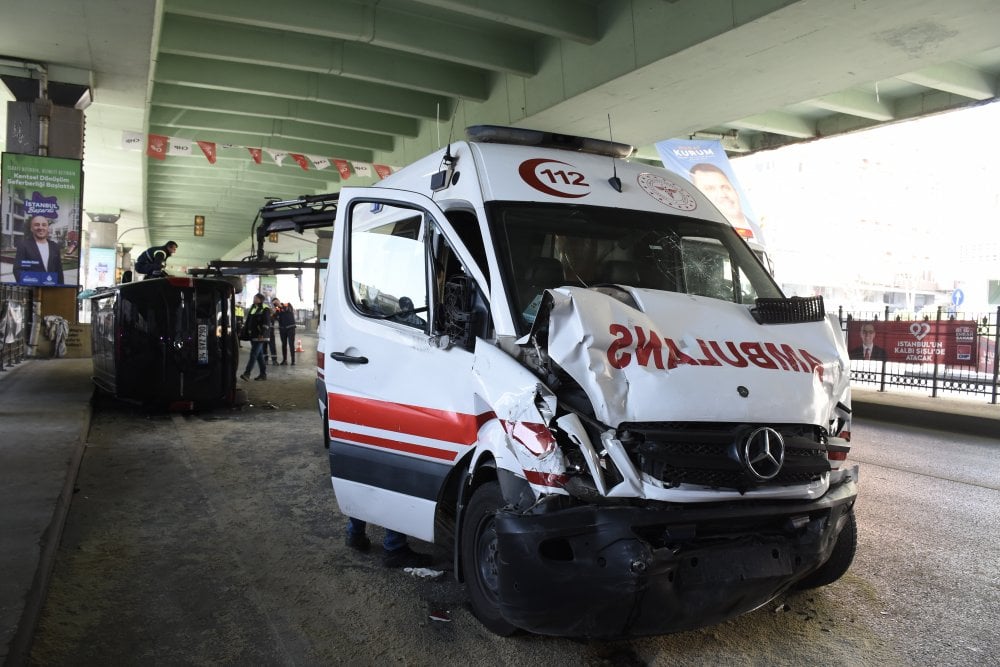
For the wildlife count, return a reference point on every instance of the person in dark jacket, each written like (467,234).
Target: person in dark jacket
(285,316)
(258,327)
(38,257)
(153,261)
(270,339)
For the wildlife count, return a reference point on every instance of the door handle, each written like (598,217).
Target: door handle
(348,358)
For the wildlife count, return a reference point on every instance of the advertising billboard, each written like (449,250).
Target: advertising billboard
(101,268)
(704,162)
(40,221)
(951,342)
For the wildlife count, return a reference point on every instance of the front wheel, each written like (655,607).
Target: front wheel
(840,558)
(479,558)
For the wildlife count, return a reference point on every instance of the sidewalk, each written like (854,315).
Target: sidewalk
(45,408)
(45,411)
(974,415)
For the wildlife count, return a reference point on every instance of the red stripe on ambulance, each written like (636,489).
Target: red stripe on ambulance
(414,420)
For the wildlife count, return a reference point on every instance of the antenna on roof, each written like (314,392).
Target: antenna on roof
(615,182)
(441,179)
(448,159)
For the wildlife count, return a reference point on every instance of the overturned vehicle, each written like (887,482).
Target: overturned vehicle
(570,372)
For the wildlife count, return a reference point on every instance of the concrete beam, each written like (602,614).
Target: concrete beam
(268,127)
(562,19)
(375,25)
(955,78)
(777,122)
(211,40)
(856,103)
(320,113)
(277,82)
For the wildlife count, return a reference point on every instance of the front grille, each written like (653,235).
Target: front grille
(791,310)
(709,454)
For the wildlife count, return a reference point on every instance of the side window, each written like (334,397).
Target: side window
(747,292)
(387,263)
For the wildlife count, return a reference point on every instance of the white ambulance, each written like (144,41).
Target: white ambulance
(570,372)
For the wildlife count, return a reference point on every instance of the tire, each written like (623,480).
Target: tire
(838,562)
(478,558)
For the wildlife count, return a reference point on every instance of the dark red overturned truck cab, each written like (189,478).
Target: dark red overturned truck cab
(167,343)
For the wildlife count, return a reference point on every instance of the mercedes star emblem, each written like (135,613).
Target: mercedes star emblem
(763,453)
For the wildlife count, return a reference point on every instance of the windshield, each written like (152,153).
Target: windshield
(545,246)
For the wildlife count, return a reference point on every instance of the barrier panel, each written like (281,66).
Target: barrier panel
(951,352)
(15,316)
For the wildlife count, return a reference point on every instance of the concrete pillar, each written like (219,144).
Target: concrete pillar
(46,118)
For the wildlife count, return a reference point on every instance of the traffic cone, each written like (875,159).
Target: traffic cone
(298,345)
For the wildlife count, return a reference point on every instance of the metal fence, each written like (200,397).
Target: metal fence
(960,353)
(15,318)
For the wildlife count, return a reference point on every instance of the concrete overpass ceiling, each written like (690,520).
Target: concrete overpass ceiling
(382,81)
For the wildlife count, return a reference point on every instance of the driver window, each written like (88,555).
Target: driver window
(388,267)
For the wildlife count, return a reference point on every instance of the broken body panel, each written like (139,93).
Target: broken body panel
(668,453)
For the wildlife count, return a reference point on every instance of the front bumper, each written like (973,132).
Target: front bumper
(606,572)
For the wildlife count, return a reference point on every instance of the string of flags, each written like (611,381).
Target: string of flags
(159,146)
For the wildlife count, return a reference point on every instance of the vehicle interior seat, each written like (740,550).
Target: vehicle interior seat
(620,272)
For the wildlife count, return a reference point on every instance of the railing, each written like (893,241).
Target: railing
(949,353)
(15,316)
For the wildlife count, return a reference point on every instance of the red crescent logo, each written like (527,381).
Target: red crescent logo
(528,172)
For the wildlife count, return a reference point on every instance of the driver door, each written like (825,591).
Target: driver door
(402,402)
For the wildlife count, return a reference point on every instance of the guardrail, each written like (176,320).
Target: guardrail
(953,353)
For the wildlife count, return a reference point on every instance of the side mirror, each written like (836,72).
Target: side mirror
(462,312)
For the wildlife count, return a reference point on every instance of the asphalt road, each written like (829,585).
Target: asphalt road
(215,539)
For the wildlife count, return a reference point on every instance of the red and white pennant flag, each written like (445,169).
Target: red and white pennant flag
(208,148)
(361,168)
(159,146)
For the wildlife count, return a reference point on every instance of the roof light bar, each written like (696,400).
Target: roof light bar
(498,134)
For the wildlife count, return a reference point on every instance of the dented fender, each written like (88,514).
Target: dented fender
(521,441)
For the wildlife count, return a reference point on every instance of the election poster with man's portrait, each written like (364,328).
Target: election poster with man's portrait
(40,220)
(705,164)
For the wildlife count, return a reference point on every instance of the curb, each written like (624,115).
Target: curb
(941,420)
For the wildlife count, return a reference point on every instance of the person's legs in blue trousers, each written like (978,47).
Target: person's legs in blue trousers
(255,350)
(262,360)
(395,550)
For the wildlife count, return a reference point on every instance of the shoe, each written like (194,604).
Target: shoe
(245,377)
(359,542)
(293,362)
(405,557)
(261,377)
(274,361)
(283,363)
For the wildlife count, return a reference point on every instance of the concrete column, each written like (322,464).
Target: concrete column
(46,118)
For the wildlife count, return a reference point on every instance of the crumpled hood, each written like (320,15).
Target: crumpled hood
(689,358)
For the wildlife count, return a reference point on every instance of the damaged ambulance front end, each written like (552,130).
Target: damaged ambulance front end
(674,436)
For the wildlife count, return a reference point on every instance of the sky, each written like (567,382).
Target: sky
(916,204)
